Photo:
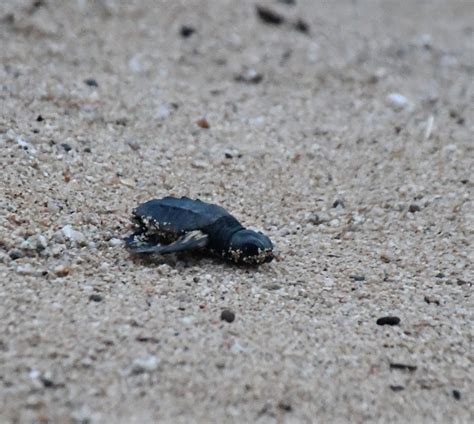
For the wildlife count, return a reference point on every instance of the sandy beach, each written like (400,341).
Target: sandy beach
(341,129)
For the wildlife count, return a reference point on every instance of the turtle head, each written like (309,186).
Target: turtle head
(250,247)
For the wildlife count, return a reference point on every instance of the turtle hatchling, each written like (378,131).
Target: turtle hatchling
(173,224)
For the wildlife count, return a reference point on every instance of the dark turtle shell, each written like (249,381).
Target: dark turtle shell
(177,216)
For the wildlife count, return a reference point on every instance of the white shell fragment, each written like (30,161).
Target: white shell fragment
(398,101)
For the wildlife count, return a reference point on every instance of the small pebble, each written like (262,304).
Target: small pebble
(338,203)
(134,145)
(430,300)
(249,76)
(15,254)
(272,286)
(26,269)
(186,31)
(96,297)
(269,16)
(146,364)
(39,118)
(73,235)
(390,320)
(91,82)
(414,208)
(62,270)
(47,381)
(318,219)
(230,154)
(115,242)
(31,243)
(397,388)
(121,121)
(203,123)
(227,315)
(440,275)
(357,278)
(404,367)
(301,26)
(385,258)
(66,147)
(457,394)
(285,406)
(397,101)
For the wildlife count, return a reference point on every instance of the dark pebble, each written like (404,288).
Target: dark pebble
(96,298)
(48,383)
(388,321)
(38,3)
(414,208)
(203,123)
(357,278)
(227,315)
(15,254)
(121,121)
(315,219)
(440,275)
(338,203)
(249,77)
(91,82)
(186,31)
(404,367)
(66,147)
(269,16)
(39,118)
(285,406)
(457,394)
(272,286)
(229,155)
(430,300)
(301,26)
(288,2)
(397,388)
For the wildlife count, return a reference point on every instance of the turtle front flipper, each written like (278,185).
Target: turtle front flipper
(139,242)
(189,241)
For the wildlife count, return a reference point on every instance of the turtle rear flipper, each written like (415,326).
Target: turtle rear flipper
(189,241)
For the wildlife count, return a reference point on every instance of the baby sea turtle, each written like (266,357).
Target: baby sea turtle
(171,225)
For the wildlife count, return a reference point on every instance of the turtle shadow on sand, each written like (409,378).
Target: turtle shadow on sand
(196,258)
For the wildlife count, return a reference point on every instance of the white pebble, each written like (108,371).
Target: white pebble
(187,320)
(73,235)
(145,364)
(397,101)
(26,269)
(163,112)
(115,242)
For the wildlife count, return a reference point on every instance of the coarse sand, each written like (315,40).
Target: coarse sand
(342,129)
